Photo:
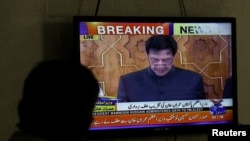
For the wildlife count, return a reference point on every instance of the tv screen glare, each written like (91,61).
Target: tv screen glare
(115,46)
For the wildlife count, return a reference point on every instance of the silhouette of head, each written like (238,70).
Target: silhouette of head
(58,99)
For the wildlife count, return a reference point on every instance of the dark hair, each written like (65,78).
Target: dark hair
(160,42)
(58,99)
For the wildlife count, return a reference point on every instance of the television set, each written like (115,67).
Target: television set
(111,46)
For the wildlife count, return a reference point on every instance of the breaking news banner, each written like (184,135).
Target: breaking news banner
(241,132)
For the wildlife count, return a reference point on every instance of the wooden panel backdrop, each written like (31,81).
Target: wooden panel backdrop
(114,55)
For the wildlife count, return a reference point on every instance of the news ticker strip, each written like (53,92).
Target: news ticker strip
(112,110)
(159,118)
(216,107)
(206,103)
(91,30)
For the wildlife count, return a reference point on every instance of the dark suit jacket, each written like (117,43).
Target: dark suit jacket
(144,85)
(227,93)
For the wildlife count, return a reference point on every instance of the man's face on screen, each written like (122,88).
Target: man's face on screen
(160,61)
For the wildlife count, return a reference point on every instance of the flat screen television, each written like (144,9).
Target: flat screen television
(114,46)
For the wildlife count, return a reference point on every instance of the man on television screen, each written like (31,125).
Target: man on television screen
(161,81)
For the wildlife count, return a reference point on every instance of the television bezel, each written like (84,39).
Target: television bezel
(151,131)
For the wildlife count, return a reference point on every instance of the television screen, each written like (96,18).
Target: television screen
(160,72)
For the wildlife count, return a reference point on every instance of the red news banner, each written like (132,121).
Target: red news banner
(106,28)
(163,112)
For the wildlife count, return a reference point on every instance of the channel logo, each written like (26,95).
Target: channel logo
(217,108)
